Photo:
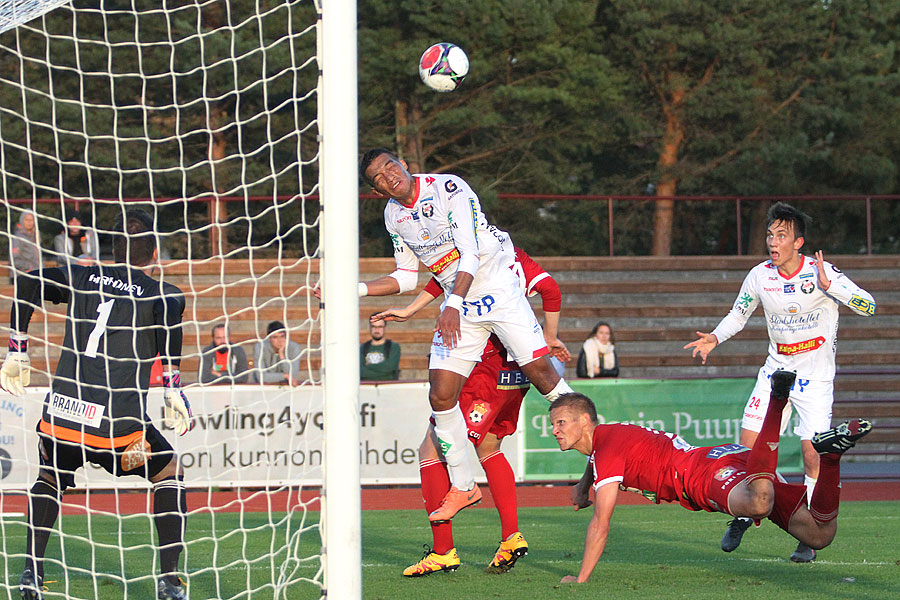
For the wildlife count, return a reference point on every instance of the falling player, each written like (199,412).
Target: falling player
(490,402)
(800,297)
(96,411)
(731,479)
(437,219)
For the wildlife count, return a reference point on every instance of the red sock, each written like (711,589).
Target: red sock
(435,485)
(823,506)
(763,459)
(502,482)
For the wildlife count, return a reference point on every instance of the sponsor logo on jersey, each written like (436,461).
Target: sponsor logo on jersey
(744,300)
(115,283)
(807,275)
(445,261)
(835,269)
(789,288)
(805,321)
(807,287)
(801,347)
(73,409)
(429,180)
(427,210)
(450,186)
(479,409)
(793,308)
(771,289)
(512,380)
(862,305)
(726,449)
(424,234)
(403,219)
(724,473)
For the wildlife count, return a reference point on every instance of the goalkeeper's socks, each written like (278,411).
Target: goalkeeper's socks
(169,514)
(44,508)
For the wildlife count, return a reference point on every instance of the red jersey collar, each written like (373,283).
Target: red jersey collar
(794,274)
(416,195)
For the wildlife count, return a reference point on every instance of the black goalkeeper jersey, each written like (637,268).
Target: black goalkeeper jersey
(119,319)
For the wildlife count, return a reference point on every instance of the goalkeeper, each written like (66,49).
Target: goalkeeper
(119,318)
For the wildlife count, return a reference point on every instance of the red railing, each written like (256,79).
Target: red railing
(212,200)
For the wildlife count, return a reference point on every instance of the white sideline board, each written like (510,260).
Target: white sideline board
(253,436)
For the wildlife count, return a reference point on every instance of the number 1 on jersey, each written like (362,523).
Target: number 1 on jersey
(99,329)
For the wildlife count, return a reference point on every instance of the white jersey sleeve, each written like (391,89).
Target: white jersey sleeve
(746,303)
(848,293)
(407,271)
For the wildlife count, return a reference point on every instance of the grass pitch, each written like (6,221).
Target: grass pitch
(653,552)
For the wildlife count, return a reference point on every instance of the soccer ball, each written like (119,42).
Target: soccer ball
(443,67)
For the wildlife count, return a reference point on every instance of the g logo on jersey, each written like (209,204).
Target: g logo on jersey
(450,186)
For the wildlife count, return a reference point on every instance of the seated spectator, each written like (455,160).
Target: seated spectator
(220,362)
(76,244)
(25,254)
(277,360)
(598,354)
(379,357)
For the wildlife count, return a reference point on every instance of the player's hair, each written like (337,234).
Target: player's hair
(799,220)
(274,326)
(134,238)
(577,402)
(612,336)
(367,159)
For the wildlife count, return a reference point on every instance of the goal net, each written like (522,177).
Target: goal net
(208,116)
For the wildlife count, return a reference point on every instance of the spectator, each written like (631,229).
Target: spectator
(76,244)
(277,359)
(598,354)
(25,255)
(220,362)
(379,357)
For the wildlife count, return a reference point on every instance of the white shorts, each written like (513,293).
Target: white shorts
(811,399)
(509,317)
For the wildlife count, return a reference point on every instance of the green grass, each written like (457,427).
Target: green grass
(653,552)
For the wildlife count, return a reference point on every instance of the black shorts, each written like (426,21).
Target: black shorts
(145,457)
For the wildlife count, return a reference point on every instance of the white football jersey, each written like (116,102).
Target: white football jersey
(801,318)
(446,230)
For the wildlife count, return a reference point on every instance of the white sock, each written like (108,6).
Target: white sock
(561,388)
(810,484)
(453,436)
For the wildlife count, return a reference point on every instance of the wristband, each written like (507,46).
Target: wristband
(454,301)
(363,290)
(18,342)
(172,379)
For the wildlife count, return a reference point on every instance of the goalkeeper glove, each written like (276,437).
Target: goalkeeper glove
(178,415)
(15,374)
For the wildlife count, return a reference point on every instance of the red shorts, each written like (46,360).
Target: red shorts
(492,396)
(709,475)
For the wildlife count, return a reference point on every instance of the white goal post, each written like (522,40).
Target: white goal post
(234,125)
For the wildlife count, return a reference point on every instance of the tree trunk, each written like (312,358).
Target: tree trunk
(213,17)
(409,139)
(663,216)
(756,245)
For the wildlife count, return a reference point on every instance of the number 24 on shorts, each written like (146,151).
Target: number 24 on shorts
(482,306)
